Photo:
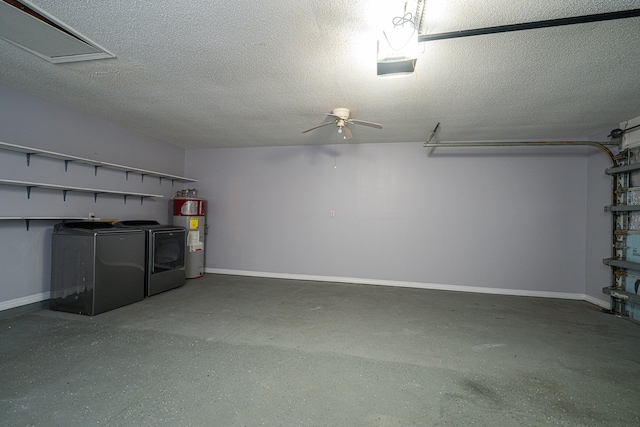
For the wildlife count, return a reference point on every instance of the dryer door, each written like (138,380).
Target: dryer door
(167,250)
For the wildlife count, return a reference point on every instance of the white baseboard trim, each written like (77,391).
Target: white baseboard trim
(432,286)
(18,302)
(596,301)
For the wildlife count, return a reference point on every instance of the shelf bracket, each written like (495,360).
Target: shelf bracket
(66,165)
(160,180)
(141,200)
(141,177)
(96,170)
(64,195)
(126,175)
(173,181)
(28,192)
(95,197)
(26,221)
(125,198)
(28,159)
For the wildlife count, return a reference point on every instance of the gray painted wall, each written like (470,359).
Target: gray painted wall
(516,219)
(34,122)
(500,218)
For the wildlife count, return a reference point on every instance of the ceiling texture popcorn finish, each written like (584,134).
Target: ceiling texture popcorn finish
(239,74)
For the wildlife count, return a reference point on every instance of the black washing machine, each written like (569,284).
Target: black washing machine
(164,254)
(96,267)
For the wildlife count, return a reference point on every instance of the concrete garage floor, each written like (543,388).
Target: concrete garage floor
(238,351)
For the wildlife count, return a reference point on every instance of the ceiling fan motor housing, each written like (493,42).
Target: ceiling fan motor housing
(342,113)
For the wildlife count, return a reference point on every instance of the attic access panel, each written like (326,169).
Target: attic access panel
(35,31)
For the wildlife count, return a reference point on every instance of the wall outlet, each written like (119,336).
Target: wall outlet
(333,213)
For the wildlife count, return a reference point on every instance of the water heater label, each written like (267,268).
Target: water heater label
(189,207)
(193,223)
(183,207)
(193,238)
(197,248)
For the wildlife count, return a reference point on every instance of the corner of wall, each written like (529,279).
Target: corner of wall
(598,230)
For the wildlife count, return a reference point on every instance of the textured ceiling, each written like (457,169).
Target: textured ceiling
(245,73)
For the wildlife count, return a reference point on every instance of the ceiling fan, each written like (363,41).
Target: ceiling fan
(341,120)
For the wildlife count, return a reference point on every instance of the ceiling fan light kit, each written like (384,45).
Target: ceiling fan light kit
(341,120)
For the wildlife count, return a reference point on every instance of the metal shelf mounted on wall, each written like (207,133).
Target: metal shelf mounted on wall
(29,151)
(28,219)
(65,189)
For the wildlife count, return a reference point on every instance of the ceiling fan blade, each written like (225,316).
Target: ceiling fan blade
(319,126)
(336,116)
(362,122)
(346,133)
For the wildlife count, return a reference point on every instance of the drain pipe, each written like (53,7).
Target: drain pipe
(599,145)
